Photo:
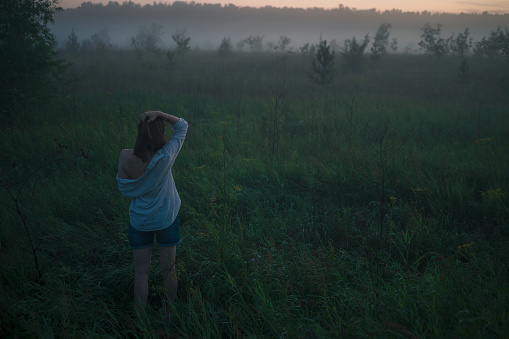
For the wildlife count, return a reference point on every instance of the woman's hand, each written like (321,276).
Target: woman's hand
(150,116)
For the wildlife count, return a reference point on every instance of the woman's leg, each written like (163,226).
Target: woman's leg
(141,271)
(167,260)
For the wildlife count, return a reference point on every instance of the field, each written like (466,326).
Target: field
(374,207)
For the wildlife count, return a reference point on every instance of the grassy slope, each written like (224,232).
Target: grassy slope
(281,229)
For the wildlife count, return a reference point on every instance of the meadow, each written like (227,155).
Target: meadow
(374,207)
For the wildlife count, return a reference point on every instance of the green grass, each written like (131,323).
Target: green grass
(281,232)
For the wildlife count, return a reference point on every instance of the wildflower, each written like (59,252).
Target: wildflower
(492,194)
(464,246)
(485,140)
(237,188)
(197,168)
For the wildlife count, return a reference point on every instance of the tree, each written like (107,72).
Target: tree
(381,41)
(496,44)
(148,38)
(304,50)
(98,42)
(72,44)
(255,43)
(283,43)
(394,44)
(461,44)
(353,52)
(323,65)
(29,61)
(182,41)
(431,41)
(226,46)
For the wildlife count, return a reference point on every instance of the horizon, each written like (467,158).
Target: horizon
(433,6)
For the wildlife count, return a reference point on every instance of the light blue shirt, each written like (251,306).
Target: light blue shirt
(155,202)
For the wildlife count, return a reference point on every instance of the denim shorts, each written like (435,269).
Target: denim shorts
(167,237)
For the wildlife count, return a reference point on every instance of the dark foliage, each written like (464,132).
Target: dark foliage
(182,42)
(431,42)
(323,65)
(381,41)
(72,44)
(460,44)
(496,44)
(353,52)
(226,46)
(29,65)
(148,38)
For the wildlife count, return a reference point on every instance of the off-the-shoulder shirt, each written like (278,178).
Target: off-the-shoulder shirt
(155,201)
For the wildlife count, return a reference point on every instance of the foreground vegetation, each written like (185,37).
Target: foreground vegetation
(375,207)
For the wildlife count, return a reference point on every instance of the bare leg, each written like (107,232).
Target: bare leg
(167,261)
(141,271)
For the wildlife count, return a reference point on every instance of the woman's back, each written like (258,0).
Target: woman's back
(130,166)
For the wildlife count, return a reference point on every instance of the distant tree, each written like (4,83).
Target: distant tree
(101,41)
(112,4)
(461,44)
(255,43)
(283,43)
(323,65)
(394,44)
(225,48)
(304,50)
(495,45)
(72,44)
(353,52)
(148,38)
(271,46)
(182,41)
(29,62)
(380,41)
(431,42)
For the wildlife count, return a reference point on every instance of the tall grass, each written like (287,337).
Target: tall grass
(277,241)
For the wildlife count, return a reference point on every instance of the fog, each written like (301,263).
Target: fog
(207,25)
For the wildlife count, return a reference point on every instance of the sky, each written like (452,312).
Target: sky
(451,6)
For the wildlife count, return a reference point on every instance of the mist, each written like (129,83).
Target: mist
(208,24)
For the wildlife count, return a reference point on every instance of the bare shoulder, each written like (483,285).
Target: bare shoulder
(130,166)
(124,162)
(126,152)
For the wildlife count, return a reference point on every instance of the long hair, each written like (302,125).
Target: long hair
(151,137)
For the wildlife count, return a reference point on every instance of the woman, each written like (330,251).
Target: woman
(144,176)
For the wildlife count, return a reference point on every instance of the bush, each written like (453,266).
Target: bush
(29,64)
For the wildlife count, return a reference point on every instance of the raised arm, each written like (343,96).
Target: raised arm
(152,115)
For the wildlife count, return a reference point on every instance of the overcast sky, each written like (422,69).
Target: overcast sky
(452,6)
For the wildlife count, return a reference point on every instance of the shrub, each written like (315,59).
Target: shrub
(29,63)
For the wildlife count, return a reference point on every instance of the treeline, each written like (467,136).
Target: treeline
(344,12)
(432,42)
(209,23)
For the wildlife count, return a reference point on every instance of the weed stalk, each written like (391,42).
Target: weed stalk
(25,216)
